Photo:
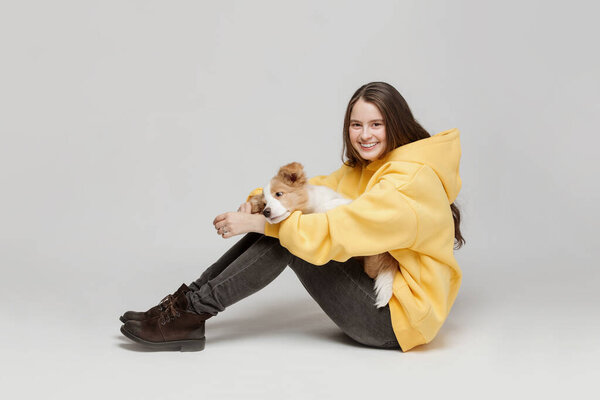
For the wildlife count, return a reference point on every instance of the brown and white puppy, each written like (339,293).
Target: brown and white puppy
(289,191)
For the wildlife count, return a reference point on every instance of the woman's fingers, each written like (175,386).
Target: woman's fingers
(222,223)
(222,228)
(219,218)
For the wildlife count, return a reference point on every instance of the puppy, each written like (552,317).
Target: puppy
(289,191)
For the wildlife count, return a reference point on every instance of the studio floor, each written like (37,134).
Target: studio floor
(502,340)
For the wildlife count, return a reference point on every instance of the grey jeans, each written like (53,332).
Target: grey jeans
(343,290)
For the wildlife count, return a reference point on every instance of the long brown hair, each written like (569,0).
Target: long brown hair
(401,128)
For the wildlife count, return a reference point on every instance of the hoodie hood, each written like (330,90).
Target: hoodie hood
(441,152)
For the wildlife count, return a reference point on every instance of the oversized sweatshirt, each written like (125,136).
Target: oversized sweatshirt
(401,204)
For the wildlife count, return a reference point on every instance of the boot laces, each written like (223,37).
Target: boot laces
(169,312)
(164,303)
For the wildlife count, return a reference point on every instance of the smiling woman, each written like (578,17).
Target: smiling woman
(367,130)
(402,183)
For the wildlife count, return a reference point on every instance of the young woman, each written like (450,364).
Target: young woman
(403,183)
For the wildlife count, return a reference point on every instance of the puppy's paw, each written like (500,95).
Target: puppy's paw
(258,203)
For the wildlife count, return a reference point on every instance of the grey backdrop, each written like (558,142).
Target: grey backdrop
(127,126)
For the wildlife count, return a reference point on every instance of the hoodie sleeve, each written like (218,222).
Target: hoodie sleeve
(331,181)
(380,220)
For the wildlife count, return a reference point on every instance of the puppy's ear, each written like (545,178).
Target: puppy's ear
(258,203)
(293,174)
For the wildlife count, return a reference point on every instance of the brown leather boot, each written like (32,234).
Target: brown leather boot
(156,310)
(175,328)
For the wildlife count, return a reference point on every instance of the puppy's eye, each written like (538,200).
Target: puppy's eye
(279,194)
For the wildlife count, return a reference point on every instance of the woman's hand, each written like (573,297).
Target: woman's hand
(236,223)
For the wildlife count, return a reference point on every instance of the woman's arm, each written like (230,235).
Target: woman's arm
(377,221)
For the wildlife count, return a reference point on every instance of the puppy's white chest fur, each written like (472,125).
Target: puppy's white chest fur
(322,198)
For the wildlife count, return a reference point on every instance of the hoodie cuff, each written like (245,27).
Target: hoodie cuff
(272,229)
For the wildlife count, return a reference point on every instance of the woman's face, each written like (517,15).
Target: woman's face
(367,128)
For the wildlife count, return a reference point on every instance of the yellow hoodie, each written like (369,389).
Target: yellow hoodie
(401,205)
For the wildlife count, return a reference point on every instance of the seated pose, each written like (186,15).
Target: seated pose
(403,184)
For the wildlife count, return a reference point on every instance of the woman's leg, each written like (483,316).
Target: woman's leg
(342,290)
(250,265)
(247,267)
(346,293)
(223,262)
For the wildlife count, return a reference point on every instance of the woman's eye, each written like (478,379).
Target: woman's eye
(377,124)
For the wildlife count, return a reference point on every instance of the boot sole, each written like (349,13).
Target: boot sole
(175,345)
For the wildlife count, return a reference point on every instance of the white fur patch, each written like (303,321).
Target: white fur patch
(322,199)
(383,287)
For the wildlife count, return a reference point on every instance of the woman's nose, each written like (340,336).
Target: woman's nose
(365,133)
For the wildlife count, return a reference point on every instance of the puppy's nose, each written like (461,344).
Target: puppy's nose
(267,212)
